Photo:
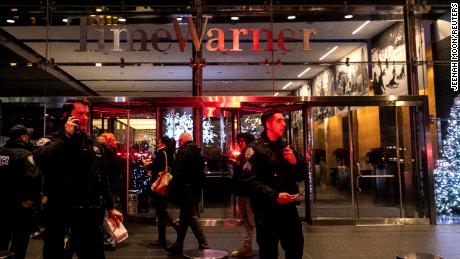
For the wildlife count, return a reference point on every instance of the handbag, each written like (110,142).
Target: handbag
(161,184)
(118,230)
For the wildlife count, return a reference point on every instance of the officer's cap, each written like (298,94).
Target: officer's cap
(18,130)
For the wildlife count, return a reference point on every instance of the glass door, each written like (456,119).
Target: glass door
(374,154)
(135,133)
(332,177)
(364,164)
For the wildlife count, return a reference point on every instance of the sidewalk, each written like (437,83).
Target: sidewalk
(321,242)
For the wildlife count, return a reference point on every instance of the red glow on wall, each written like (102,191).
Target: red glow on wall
(210,112)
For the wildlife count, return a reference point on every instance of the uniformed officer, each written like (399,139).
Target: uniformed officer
(76,186)
(19,189)
(271,171)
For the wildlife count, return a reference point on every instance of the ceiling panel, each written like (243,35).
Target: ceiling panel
(168,74)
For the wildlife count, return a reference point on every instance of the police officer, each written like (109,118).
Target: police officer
(19,189)
(76,187)
(270,173)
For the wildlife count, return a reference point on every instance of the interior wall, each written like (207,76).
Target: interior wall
(318,133)
(429,90)
(334,139)
(368,132)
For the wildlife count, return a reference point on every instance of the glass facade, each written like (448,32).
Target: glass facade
(211,68)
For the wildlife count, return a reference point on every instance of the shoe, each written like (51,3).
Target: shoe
(205,246)
(175,249)
(245,250)
(109,247)
(157,243)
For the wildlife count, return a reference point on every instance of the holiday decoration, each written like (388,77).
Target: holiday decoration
(251,123)
(447,172)
(139,179)
(208,133)
(177,124)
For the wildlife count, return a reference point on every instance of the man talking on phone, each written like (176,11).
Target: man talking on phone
(271,171)
(76,188)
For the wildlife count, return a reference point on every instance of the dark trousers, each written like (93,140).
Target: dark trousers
(16,228)
(279,225)
(161,205)
(190,216)
(86,235)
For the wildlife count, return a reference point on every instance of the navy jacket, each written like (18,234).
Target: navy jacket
(75,172)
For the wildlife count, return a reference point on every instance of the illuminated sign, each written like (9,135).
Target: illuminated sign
(215,38)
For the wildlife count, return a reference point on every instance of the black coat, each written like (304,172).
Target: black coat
(266,173)
(159,164)
(114,168)
(75,172)
(239,187)
(20,179)
(188,173)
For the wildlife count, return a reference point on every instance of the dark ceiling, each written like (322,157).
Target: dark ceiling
(36,79)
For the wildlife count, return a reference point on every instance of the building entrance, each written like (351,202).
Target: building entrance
(368,158)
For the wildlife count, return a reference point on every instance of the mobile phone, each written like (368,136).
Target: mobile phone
(76,128)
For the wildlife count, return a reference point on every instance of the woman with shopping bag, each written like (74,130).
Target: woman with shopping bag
(161,176)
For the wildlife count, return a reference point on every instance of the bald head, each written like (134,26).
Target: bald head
(184,137)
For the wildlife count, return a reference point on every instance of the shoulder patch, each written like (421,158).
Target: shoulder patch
(248,153)
(42,142)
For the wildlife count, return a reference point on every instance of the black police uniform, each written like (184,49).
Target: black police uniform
(19,181)
(76,186)
(266,173)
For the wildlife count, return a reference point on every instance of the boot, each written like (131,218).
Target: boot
(175,249)
(245,250)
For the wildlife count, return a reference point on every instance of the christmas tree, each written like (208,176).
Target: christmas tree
(139,179)
(447,172)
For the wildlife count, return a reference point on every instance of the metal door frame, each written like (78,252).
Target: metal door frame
(419,102)
(425,156)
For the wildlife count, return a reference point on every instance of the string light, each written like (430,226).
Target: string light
(447,172)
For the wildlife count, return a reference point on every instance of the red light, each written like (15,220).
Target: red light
(236,153)
(210,112)
(118,154)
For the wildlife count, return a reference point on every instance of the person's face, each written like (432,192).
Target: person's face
(160,143)
(25,138)
(81,112)
(241,143)
(276,125)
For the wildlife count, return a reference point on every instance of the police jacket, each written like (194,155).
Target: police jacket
(266,173)
(189,167)
(75,172)
(19,177)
